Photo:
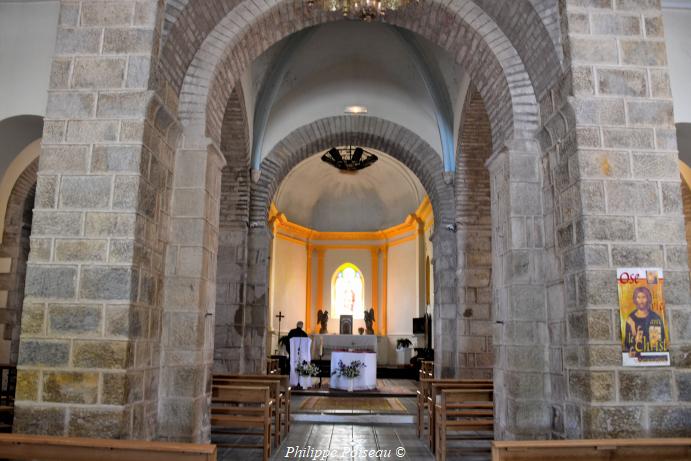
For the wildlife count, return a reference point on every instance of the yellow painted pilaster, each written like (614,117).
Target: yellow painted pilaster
(385,283)
(375,288)
(308,290)
(320,281)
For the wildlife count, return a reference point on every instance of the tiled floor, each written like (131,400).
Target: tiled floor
(354,440)
(341,442)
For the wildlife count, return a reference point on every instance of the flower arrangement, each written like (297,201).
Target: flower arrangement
(306,368)
(349,371)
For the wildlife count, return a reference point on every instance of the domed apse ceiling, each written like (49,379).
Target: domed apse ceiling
(318,196)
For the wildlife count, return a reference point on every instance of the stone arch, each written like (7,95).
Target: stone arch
(478,43)
(397,141)
(26,158)
(14,253)
(531,26)
(517,32)
(401,144)
(229,38)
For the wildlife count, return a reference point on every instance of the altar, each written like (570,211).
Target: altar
(368,375)
(324,345)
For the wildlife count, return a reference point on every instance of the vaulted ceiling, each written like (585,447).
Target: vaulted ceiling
(317,73)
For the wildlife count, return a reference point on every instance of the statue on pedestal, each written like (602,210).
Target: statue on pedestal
(369,320)
(323,319)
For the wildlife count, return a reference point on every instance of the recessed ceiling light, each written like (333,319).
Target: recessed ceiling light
(355,110)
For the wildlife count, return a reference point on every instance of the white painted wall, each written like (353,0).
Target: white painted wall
(678,35)
(288,284)
(677,24)
(402,288)
(27,43)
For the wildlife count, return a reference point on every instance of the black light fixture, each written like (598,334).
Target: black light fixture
(349,158)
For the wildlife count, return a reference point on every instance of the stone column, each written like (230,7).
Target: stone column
(622,195)
(445,316)
(87,360)
(518,294)
(256,308)
(190,296)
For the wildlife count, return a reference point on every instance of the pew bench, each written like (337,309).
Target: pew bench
(460,415)
(275,391)
(285,396)
(436,387)
(423,400)
(238,408)
(593,450)
(41,447)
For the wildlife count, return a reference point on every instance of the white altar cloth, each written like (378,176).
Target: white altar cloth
(299,351)
(329,343)
(368,375)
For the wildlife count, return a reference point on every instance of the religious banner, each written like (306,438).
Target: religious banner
(644,330)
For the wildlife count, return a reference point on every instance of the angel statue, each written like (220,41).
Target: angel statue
(323,319)
(369,320)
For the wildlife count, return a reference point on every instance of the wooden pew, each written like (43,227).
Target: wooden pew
(272,366)
(284,403)
(246,407)
(593,450)
(8,382)
(31,447)
(423,393)
(426,369)
(436,386)
(275,394)
(462,412)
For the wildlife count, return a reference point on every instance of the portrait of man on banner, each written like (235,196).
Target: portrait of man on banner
(644,329)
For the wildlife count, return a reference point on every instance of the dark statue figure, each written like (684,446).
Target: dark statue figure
(369,320)
(323,319)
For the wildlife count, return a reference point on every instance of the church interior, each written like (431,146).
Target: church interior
(335,229)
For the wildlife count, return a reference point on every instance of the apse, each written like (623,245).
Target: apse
(350,243)
(318,196)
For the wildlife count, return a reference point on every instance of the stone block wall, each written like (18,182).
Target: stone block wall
(14,252)
(233,235)
(91,325)
(620,206)
(474,239)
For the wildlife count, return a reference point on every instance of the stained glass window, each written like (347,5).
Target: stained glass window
(348,291)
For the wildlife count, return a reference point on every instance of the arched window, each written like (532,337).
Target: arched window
(348,291)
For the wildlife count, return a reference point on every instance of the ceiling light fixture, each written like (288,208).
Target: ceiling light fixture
(356,110)
(349,158)
(365,10)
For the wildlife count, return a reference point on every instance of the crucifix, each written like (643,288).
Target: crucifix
(280,317)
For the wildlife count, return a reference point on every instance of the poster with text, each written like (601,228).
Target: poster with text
(644,328)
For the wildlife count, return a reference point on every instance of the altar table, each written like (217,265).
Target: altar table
(323,345)
(368,375)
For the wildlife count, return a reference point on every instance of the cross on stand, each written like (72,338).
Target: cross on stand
(280,317)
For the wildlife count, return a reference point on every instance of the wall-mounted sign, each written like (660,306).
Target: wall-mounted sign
(644,331)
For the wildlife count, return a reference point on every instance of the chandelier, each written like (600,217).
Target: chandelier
(349,158)
(366,10)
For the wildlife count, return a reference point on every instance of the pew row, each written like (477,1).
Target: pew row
(41,447)
(463,414)
(285,395)
(236,409)
(593,450)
